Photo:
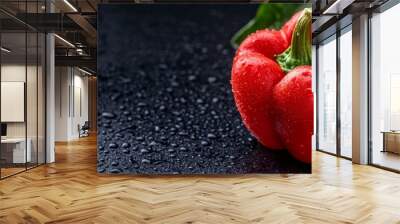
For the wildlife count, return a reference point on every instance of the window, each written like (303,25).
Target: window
(385,89)
(327,95)
(346,74)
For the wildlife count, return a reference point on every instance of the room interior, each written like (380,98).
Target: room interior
(22,102)
(24,68)
(334,59)
(71,100)
(385,90)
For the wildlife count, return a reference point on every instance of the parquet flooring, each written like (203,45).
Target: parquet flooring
(70,191)
(10,171)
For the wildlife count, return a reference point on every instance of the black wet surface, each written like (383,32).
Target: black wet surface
(165,105)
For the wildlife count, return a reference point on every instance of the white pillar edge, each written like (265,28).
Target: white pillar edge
(50,99)
(360,90)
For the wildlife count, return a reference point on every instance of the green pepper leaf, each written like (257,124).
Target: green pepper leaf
(269,15)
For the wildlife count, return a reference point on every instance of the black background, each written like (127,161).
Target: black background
(164,97)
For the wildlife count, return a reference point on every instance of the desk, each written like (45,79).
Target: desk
(391,141)
(16,147)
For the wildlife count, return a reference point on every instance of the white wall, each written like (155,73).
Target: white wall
(80,110)
(14,72)
(71,94)
(61,103)
(12,101)
(33,126)
(17,72)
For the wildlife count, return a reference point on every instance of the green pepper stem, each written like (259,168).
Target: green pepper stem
(299,52)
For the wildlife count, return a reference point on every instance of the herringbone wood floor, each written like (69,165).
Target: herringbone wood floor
(70,191)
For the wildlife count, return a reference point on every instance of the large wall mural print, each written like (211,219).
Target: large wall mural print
(196,89)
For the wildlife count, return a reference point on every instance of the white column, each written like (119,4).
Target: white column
(50,93)
(360,90)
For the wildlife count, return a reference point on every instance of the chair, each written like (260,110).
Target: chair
(84,130)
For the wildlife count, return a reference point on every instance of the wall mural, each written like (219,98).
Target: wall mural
(194,89)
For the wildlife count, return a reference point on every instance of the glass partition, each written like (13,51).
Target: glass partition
(41,96)
(14,153)
(346,92)
(31,99)
(327,95)
(23,91)
(385,89)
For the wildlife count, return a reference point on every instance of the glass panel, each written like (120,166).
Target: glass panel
(31,100)
(346,93)
(13,88)
(41,99)
(23,90)
(327,96)
(385,84)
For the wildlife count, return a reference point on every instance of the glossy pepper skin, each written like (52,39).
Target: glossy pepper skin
(277,108)
(253,78)
(269,43)
(293,112)
(254,74)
